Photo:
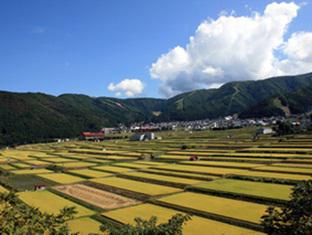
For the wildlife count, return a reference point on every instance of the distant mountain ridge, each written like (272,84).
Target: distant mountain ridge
(26,117)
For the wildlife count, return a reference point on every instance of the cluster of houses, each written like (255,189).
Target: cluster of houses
(145,131)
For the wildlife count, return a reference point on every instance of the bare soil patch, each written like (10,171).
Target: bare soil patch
(96,197)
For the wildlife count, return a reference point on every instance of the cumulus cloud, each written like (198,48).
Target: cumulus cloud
(235,48)
(127,87)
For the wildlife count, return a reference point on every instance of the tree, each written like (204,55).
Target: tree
(296,217)
(20,219)
(174,226)
(284,128)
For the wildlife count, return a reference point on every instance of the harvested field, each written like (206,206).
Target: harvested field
(96,197)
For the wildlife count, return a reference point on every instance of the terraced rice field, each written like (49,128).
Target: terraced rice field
(61,178)
(235,209)
(3,189)
(90,173)
(73,165)
(84,226)
(51,203)
(196,226)
(296,170)
(248,188)
(136,186)
(32,171)
(112,169)
(227,190)
(162,178)
(241,165)
(271,175)
(218,171)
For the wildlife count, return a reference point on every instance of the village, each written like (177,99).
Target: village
(146,131)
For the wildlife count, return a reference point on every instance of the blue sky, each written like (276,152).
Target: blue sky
(80,46)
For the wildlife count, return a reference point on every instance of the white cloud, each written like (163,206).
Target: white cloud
(235,48)
(127,87)
(299,54)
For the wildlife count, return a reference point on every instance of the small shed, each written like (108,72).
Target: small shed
(143,136)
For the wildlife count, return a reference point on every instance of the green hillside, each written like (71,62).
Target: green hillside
(27,117)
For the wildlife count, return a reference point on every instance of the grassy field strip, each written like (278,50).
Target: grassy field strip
(84,226)
(227,158)
(257,160)
(31,171)
(132,165)
(58,160)
(72,165)
(97,160)
(37,163)
(288,170)
(112,169)
(150,163)
(292,165)
(278,150)
(136,186)
(300,161)
(154,178)
(224,207)
(257,190)
(107,152)
(180,174)
(207,150)
(3,189)
(221,164)
(90,173)
(217,171)
(7,167)
(267,155)
(51,203)
(271,175)
(61,178)
(20,165)
(196,226)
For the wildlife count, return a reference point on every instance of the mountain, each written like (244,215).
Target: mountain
(233,97)
(28,117)
(296,102)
